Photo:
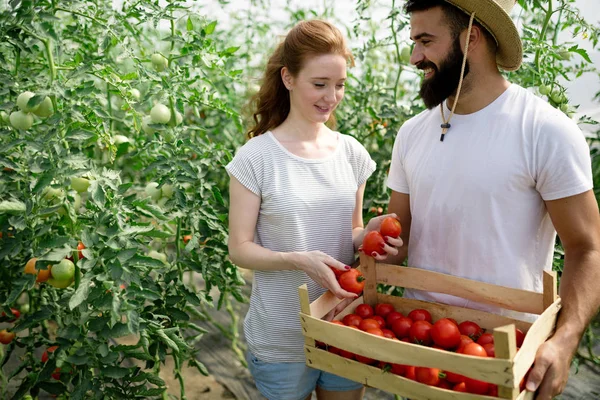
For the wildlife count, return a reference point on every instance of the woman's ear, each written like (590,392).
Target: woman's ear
(287,78)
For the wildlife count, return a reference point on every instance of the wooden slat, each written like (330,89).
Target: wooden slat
(416,278)
(484,319)
(541,330)
(550,288)
(394,351)
(375,377)
(505,347)
(369,271)
(305,309)
(322,305)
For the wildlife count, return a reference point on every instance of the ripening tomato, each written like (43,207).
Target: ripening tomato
(401,327)
(80,246)
(428,376)
(420,332)
(364,311)
(367,324)
(391,227)
(485,339)
(445,334)
(474,349)
(471,329)
(352,281)
(50,349)
(383,309)
(6,337)
(420,314)
(56,374)
(351,320)
(391,317)
(520,337)
(373,243)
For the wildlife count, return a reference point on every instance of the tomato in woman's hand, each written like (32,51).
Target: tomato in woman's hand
(338,272)
(383,309)
(373,243)
(445,334)
(391,227)
(471,329)
(364,311)
(420,332)
(420,314)
(352,281)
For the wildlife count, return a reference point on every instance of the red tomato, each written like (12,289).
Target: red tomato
(384,309)
(391,317)
(338,322)
(453,321)
(80,247)
(363,359)
(380,320)
(520,337)
(391,227)
(398,369)
(401,327)
(471,329)
(485,339)
(346,354)
(420,315)
(373,243)
(364,311)
(489,349)
(464,340)
(493,391)
(460,387)
(474,349)
(445,334)
(367,324)
(454,378)
(375,331)
(352,320)
(444,384)
(352,281)
(15,312)
(333,350)
(338,272)
(56,374)
(420,332)
(388,334)
(428,376)
(476,387)
(51,349)
(409,373)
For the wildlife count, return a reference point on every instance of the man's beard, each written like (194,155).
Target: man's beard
(444,81)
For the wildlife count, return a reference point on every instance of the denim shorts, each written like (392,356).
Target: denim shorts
(294,381)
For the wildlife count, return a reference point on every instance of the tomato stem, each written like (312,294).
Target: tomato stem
(51,65)
(549,13)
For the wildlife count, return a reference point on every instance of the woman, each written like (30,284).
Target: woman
(296,196)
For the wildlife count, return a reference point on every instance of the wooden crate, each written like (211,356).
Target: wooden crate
(506,369)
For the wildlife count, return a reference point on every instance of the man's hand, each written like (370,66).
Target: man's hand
(551,367)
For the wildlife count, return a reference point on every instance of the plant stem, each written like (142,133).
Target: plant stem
(51,65)
(234,332)
(398,56)
(549,13)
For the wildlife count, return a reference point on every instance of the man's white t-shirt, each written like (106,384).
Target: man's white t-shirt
(477,198)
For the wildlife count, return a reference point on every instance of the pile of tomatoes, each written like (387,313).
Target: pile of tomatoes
(418,327)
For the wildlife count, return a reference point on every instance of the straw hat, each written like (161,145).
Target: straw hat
(494,15)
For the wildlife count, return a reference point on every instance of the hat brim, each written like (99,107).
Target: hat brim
(498,22)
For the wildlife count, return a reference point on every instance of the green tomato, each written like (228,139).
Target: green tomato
(77,202)
(564,55)
(80,184)
(544,90)
(146,121)
(160,114)
(557,97)
(24,308)
(50,193)
(159,62)
(120,139)
(135,93)
(167,190)
(59,284)
(21,120)
(45,108)
(178,118)
(23,99)
(564,107)
(158,256)
(153,191)
(405,54)
(63,271)
(4,117)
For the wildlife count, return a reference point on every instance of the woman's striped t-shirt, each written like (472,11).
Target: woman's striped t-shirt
(306,205)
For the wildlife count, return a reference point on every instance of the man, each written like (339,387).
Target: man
(485,178)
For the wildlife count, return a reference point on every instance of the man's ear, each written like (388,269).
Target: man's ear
(287,78)
(477,38)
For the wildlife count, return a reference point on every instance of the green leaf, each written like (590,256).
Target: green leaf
(582,52)
(115,372)
(189,25)
(210,28)
(82,292)
(167,340)
(12,207)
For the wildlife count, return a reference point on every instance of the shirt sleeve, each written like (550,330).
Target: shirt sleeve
(366,166)
(563,162)
(246,167)
(397,177)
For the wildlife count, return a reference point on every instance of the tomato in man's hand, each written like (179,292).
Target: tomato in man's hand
(352,281)
(391,227)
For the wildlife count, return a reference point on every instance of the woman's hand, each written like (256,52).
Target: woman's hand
(317,265)
(392,244)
